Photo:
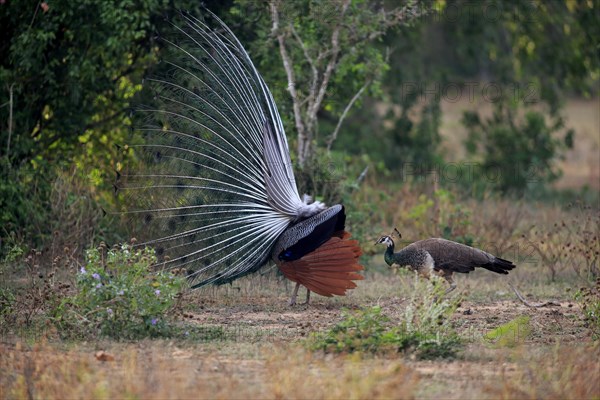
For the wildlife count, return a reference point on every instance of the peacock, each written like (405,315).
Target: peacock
(217,195)
(442,257)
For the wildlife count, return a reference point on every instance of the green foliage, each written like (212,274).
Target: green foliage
(536,50)
(73,71)
(119,296)
(534,53)
(15,251)
(509,334)
(423,328)
(515,156)
(332,49)
(365,330)
(66,63)
(69,73)
(551,54)
(57,209)
(589,300)
(427,317)
(7,306)
(23,209)
(451,220)
(403,130)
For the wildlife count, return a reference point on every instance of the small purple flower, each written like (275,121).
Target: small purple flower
(83,271)
(95,275)
(121,292)
(109,311)
(154,321)
(187,333)
(157,292)
(98,286)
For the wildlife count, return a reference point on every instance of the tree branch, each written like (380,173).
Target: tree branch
(10,120)
(303,47)
(315,75)
(335,50)
(343,116)
(528,304)
(287,64)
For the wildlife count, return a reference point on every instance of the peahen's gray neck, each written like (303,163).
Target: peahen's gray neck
(403,257)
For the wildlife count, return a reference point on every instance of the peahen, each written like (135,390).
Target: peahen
(219,198)
(442,257)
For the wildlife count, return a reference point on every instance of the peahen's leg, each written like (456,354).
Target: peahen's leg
(294,295)
(450,279)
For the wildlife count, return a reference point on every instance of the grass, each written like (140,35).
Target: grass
(423,329)
(159,370)
(251,346)
(560,373)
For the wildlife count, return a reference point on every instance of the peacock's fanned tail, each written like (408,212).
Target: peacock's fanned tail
(218,187)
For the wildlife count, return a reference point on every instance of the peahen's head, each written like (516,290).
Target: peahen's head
(387,240)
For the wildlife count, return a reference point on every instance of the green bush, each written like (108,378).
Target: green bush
(516,153)
(24,211)
(120,296)
(7,303)
(365,330)
(423,329)
(442,215)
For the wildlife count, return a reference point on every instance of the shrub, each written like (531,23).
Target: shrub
(589,299)
(7,303)
(28,292)
(364,330)
(571,243)
(24,211)
(423,329)
(442,215)
(120,296)
(515,154)
(510,334)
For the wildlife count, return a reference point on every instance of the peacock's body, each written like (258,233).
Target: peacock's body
(219,192)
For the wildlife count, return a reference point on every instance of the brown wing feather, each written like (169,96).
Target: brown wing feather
(453,256)
(330,269)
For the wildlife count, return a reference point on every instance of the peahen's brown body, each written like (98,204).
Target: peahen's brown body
(443,257)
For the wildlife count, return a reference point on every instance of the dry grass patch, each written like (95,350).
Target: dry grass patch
(158,370)
(565,372)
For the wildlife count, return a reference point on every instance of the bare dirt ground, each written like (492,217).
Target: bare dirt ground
(549,324)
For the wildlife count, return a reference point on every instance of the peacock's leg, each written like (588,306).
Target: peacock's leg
(294,295)
(307,297)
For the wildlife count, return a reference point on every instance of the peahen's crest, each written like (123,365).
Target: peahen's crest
(218,189)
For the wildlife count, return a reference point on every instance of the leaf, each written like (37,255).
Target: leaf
(509,334)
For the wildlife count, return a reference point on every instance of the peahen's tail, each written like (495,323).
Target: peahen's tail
(499,266)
